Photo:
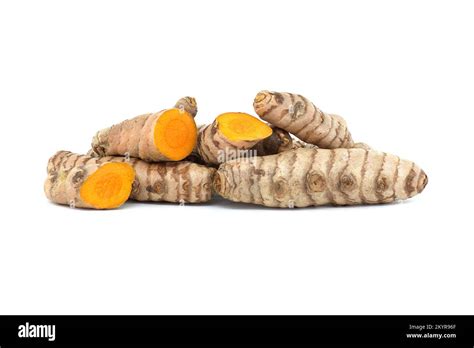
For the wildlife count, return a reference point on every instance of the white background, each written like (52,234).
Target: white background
(400,72)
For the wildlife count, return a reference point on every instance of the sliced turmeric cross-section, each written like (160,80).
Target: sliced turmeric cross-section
(109,186)
(229,136)
(237,126)
(175,134)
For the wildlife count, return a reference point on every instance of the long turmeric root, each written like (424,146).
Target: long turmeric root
(297,115)
(308,177)
(168,135)
(77,181)
(164,181)
(229,136)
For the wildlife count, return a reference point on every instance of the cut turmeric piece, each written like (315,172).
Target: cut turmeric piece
(168,135)
(109,186)
(175,134)
(104,182)
(237,126)
(231,135)
(84,182)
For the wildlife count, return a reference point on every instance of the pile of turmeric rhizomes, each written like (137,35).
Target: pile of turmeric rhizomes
(300,156)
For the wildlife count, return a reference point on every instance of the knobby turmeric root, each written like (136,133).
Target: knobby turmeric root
(77,181)
(164,181)
(230,136)
(168,135)
(187,104)
(311,177)
(297,115)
